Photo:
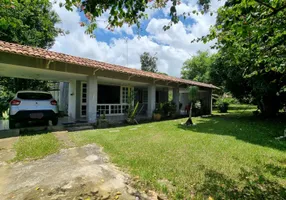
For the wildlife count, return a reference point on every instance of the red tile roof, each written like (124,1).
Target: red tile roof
(60,57)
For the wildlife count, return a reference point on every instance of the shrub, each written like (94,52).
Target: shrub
(159,109)
(4,97)
(5,114)
(222,105)
(169,108)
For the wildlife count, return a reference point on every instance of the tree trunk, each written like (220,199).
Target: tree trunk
(269,105)
(190,121)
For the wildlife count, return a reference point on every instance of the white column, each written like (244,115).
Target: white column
(63,97)
(151,100)
(211,101)
(72,100)
(176,98)
(92,90)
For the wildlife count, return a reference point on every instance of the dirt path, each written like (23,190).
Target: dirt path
(63,137)
(6,154)
(74,173)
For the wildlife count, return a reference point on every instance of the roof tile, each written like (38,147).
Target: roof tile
(60,57)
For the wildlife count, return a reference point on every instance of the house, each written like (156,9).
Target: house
(97,87)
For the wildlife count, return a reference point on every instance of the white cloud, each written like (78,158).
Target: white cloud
(172,47)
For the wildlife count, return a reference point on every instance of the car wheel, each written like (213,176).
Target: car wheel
(12,124)
(55,121)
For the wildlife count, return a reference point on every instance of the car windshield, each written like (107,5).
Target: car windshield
(34,96)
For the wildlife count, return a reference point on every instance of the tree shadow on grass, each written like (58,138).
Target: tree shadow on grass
(276,170)
(250,185)
(243,127)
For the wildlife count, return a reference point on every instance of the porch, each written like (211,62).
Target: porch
(111,99)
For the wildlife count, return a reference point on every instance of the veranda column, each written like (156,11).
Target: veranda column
(211,101)
(176,99)
(151,100)
(92,90)
(72,100)
(63,97)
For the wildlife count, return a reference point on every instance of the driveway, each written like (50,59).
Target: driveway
(74,173)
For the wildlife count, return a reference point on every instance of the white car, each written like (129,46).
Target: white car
(33,106)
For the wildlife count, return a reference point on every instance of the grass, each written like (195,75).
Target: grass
(232,156)
(36,146)
(227,156)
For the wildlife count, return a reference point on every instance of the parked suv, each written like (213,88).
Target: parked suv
(33,106)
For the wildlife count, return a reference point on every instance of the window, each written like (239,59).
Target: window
(103,109)
(83,110)
(157,97)
(108,94)
(34,96)
(125,91)
(115,109)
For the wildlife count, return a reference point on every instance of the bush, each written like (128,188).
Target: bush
(5,115)
(169,109)
(223,104)
(159,109)
(4,97)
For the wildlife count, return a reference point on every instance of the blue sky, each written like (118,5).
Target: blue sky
(124,47)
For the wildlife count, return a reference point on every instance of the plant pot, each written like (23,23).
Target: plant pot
(157,116)
(223,108)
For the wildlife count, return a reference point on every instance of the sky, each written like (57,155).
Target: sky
(123,46)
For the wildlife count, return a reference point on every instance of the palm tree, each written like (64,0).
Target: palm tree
(193,95)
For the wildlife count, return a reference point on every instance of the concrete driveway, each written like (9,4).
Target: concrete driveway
(76,173)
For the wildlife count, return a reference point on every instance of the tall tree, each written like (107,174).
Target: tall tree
(197,68)
(29,23)
(251,41)
(148,62)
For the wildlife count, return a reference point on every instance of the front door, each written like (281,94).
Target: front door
(83,99)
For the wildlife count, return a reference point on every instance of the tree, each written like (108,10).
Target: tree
(251,41)
(126,11)
(148,62)
(29,23)
(193,95)
(197,68)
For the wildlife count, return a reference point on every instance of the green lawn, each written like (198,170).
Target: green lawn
(227,156)
(36,146)
(232,156)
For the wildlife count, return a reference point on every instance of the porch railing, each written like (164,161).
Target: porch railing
(112,109)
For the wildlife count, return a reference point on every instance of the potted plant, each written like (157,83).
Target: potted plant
(222,105)
(157,114)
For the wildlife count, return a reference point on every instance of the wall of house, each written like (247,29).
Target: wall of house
(78,98)
(162,95)
(204,96)
(63,97)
